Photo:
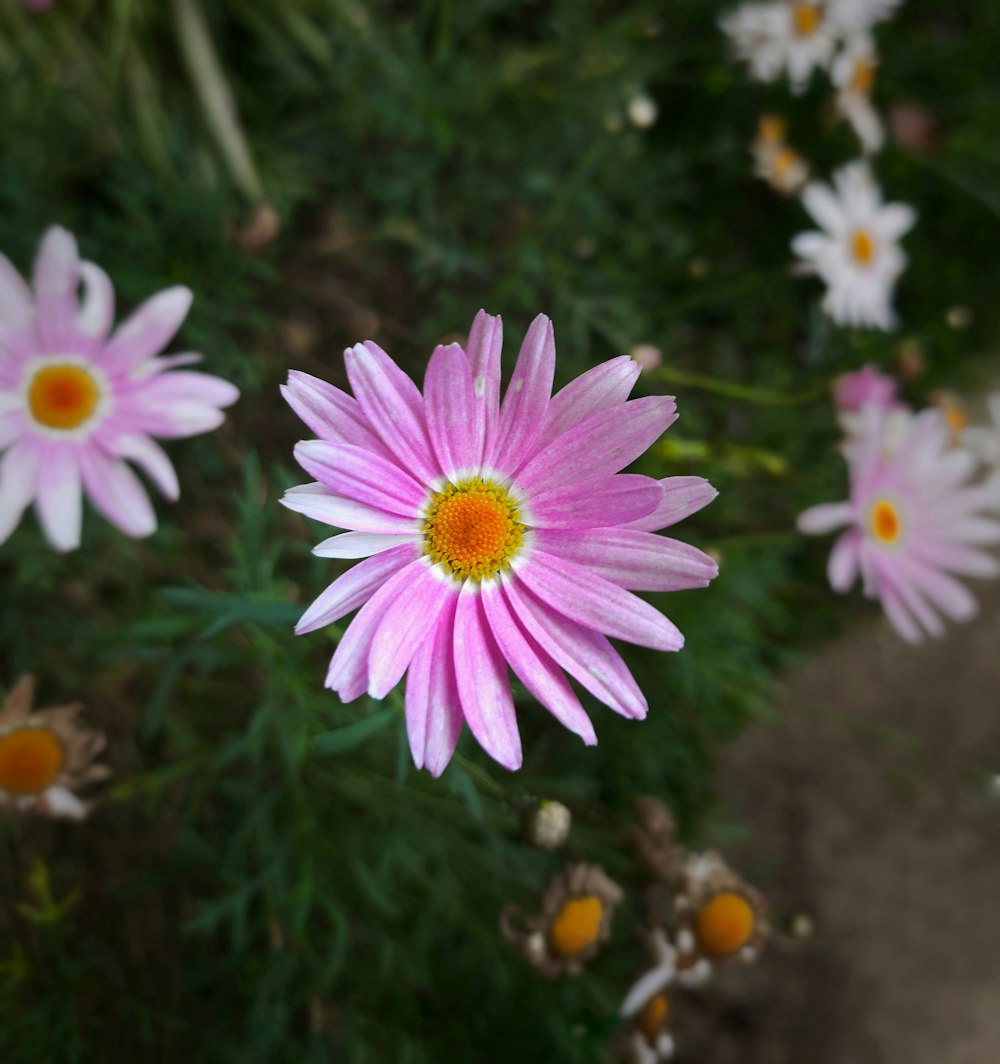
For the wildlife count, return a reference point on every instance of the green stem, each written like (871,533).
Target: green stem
(741,392)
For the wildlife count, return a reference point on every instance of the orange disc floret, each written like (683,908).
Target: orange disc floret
(863,246)
(472,529)
(30,760)
(576,926)
(806,18)
(63,396)
(885,522)
(725,924)
(655,1017)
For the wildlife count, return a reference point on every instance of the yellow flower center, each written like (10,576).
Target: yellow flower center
(957,421)
(63,396)
(724,924)
(863,246)
(472,529)
(806,18)
(576,926)
(30,760)
(784,161)
(772,129)
(863,77)
(653,1019)
(884,522)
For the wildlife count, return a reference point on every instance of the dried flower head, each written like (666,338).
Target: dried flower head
(775,161)
(654,837)
(549,824)
(574,919)
(46,756)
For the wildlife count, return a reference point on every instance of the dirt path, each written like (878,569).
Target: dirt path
(869,807)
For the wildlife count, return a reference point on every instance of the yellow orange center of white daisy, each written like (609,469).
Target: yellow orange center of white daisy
(957,420)
(576,926)
(724,924)
(653,1019)
(863,76)
(30,760)
(784,161)
(772,129)
(62,396)
(862,246)
(806,19)
(884,522)
(472,529)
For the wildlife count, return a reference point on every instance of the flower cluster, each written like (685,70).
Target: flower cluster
(915,518)
(855,250)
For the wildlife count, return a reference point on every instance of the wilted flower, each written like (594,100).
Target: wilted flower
(78,404)
(651,1041)
(857,254)
(493,535)
(783,36)
(655,838)
(548,827)
(641,110)
(648,356)
(914,522)
(854,76)
(775,161)
(574,919)
(868,385)
(46,756)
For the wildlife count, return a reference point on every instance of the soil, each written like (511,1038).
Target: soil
(873,813)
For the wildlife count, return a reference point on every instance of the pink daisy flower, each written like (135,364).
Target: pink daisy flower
(852,391)
(494,534)
(77,402)
(914,522)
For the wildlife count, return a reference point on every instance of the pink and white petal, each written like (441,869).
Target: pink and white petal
(434,717)
(604,443)
(845,559)
(96,314)
(595,503)
(456,433)
(316,502)
(585,654)
(404,625)
(177,421)
(640,561)
(900,618)
(393,407)
(895,572)
(17,308)
(155,366)
(526,400)
(535,669)
(186,386)
(331,413)
(117,493)
(361,475)
(354,588)
(483,688)
(150,457)
(60,500)
(348,672)
(597,603)
(19,479)
(362,544)
(599,388)
(147,330)
(953,599)
(682,496)
(483,350)
(965,561)
(57,274)
(827,517)
(13,425)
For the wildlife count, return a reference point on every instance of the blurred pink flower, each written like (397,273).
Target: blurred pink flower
(77,402)
(914,522)
(852,391)
(38,5)
(493,534)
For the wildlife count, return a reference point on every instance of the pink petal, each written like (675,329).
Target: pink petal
(894,575)
(434,717)
(637,560)
(594,503)
(57,274)
(827,517)
(966,561)
(348,672)
(354,588)
(362,544)
(605,443)
(900,618)
(404,626)
(147,331)
(117,493)
(18,483)
(97,310)
(535,669)
(842,568)
(150,457)
(599,388)
(585,654)
(953,599)
(527,398)
(597,603)
(17,308)
(361,475)
(682,496)
(483,349)
(455,431)
(331,413)
(394,408)
(482,681)
(60,500)
(316,502)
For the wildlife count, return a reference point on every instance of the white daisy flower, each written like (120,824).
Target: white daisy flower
(857,253)
(791,37)
(849,17)
(853,75)
(775,161)
(984,443)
